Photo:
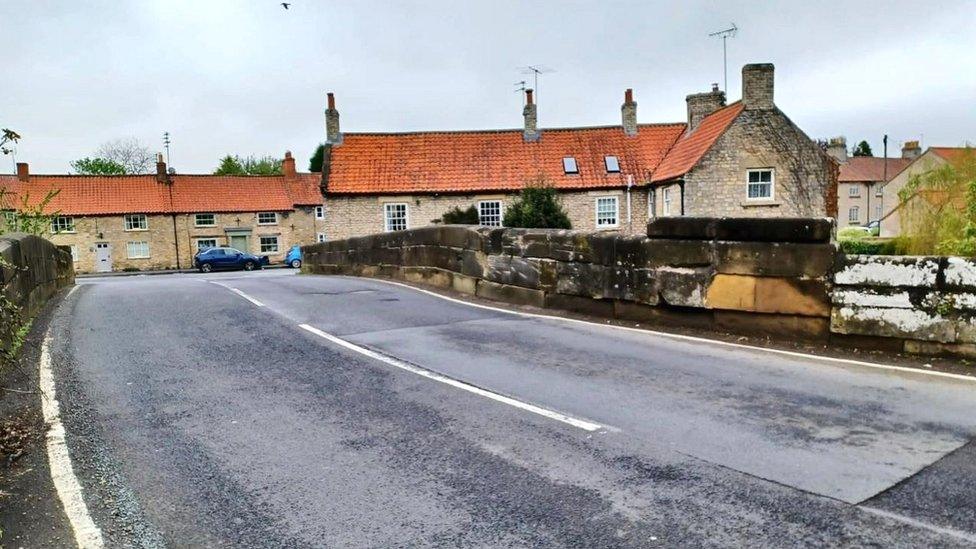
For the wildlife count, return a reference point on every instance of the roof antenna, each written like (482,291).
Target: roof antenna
(536,70)
(725,35)
(520,88)
(166,144)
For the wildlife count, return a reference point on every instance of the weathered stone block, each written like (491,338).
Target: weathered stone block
(886,271)
(736,292)
(773,325)
(464,284)
(783,229)
(548,275)
(511,294)
(901,323)
(666,316)
(960,272)
(585,279)
(427,275)
(684,286)
(774,259)
(890,298)
(933,348)
(582,305)
(791,296)
(473,263)
(460,236)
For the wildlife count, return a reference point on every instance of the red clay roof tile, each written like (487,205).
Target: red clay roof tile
(691,147)
(869,168)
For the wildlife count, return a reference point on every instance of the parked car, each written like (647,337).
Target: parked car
(294,257)
(220,258)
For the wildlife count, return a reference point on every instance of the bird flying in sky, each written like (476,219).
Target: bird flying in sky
(285,5)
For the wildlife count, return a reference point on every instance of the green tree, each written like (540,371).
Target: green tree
(537,207)
(315,163)
(8,137)
(937,209)
(457,216)
(97,166)
(862,149)
(248,165)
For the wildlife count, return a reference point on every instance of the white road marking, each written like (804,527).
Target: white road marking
(681,337)
(953,532)
(238,292)
(569,420)
(87,535)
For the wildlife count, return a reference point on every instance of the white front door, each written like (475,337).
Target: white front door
(103,257)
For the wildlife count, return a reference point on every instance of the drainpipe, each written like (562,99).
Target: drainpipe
(630,221)
(681,187)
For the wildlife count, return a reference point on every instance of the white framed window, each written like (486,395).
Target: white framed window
(267,218)
(395,217)
(612,164)
(666,201)
(651,203)
(137,249)
(320,237)
(877,211)
(878,190)
(569,165)
(607,212)
(490,213)
(74,253)
(63,224)
(136,222)
(759,185)
(320,212)
(204,220)
(269,244)
(206,244)
(854,213)
(854,190)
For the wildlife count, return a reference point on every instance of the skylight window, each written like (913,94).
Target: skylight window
(569,165)
(613,165)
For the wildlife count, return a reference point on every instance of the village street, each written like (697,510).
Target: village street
(274,409)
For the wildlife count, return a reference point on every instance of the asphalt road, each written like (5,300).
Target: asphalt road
(200,412)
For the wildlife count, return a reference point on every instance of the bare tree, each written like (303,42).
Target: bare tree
(129,153)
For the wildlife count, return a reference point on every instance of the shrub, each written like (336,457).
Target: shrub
(851,233)
(868,246)
(537,207)
(457,216)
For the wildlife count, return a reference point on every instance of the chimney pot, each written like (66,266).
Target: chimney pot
(628,113)
(23,171)
(911,150)
(701,105)
(162,176)
(528,97)
(837,148)
(331,100)
(757,86)
(714,86)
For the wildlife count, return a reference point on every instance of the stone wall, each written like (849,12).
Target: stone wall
(734,275)
(913,304)
(33,270)
(352,216)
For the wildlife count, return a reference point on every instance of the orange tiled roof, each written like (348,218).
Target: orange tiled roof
(869,168)
(106,195)
(691,147)
(500,160)
(953,154)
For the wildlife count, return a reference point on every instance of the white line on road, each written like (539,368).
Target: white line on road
(238,292)
(569,420)
(65,482)
(953,532)
(682,337)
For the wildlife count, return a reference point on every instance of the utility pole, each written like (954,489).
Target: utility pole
(725,35)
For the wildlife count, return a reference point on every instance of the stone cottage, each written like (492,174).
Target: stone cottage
(932,158)
(146,222)
(746,159)
(860,182)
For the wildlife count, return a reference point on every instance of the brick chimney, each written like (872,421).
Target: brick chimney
(288,165)
(628,113)
(837,148)
(531,132)
(161,175)
(332,134)
(757,86)
(23,171)
(701,105)
(910,150)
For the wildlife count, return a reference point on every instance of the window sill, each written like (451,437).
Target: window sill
(760,204)
(136,230)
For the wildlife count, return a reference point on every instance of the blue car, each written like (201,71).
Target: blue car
(294,257)
(219,259)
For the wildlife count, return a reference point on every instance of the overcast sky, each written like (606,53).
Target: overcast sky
(249,77)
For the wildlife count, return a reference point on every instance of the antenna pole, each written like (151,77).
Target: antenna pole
(166,145)
(725,35)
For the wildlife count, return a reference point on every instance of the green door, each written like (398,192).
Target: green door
(239,241)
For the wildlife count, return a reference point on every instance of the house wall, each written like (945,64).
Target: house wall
(351,216)
(805,177)
(294,227)
(891,221)
(868,200)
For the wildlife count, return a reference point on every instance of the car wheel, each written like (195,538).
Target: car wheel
(296,263)
(249,266)
(206,268)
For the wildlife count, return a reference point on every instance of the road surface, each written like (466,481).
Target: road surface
(273,410)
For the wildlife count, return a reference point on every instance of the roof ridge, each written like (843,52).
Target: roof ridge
(512,130)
